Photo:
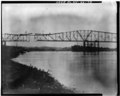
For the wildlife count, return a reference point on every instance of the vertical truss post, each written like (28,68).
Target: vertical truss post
(105,36)
(70,35)
(55,37)
(63,36)
(98,36)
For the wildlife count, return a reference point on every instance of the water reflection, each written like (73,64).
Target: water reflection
(87,72)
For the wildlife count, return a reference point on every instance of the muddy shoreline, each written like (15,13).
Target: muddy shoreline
(22,79)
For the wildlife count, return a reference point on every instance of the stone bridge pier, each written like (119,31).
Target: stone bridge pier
(87,43)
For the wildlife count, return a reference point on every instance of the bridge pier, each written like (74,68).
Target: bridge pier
(96,44)
(85,43)
(91,44)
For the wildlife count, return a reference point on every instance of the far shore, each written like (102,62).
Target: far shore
(74,48)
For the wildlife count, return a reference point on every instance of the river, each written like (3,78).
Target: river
(87,73)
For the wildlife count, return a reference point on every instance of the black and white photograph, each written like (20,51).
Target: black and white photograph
(59,47)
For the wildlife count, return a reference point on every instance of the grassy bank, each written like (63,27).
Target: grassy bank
(22,79)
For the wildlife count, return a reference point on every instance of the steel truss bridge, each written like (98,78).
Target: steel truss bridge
(88,37)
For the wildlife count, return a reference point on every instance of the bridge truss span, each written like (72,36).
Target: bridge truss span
(71,36)
(77,36)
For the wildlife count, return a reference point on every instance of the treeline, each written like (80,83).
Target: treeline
(90,49)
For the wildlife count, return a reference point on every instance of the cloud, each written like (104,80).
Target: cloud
(58,17)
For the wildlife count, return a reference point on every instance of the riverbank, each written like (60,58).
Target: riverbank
(22,79)
(77,48)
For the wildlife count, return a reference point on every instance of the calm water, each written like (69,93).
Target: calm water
(85,72)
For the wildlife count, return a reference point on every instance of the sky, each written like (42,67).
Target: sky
(54,18)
